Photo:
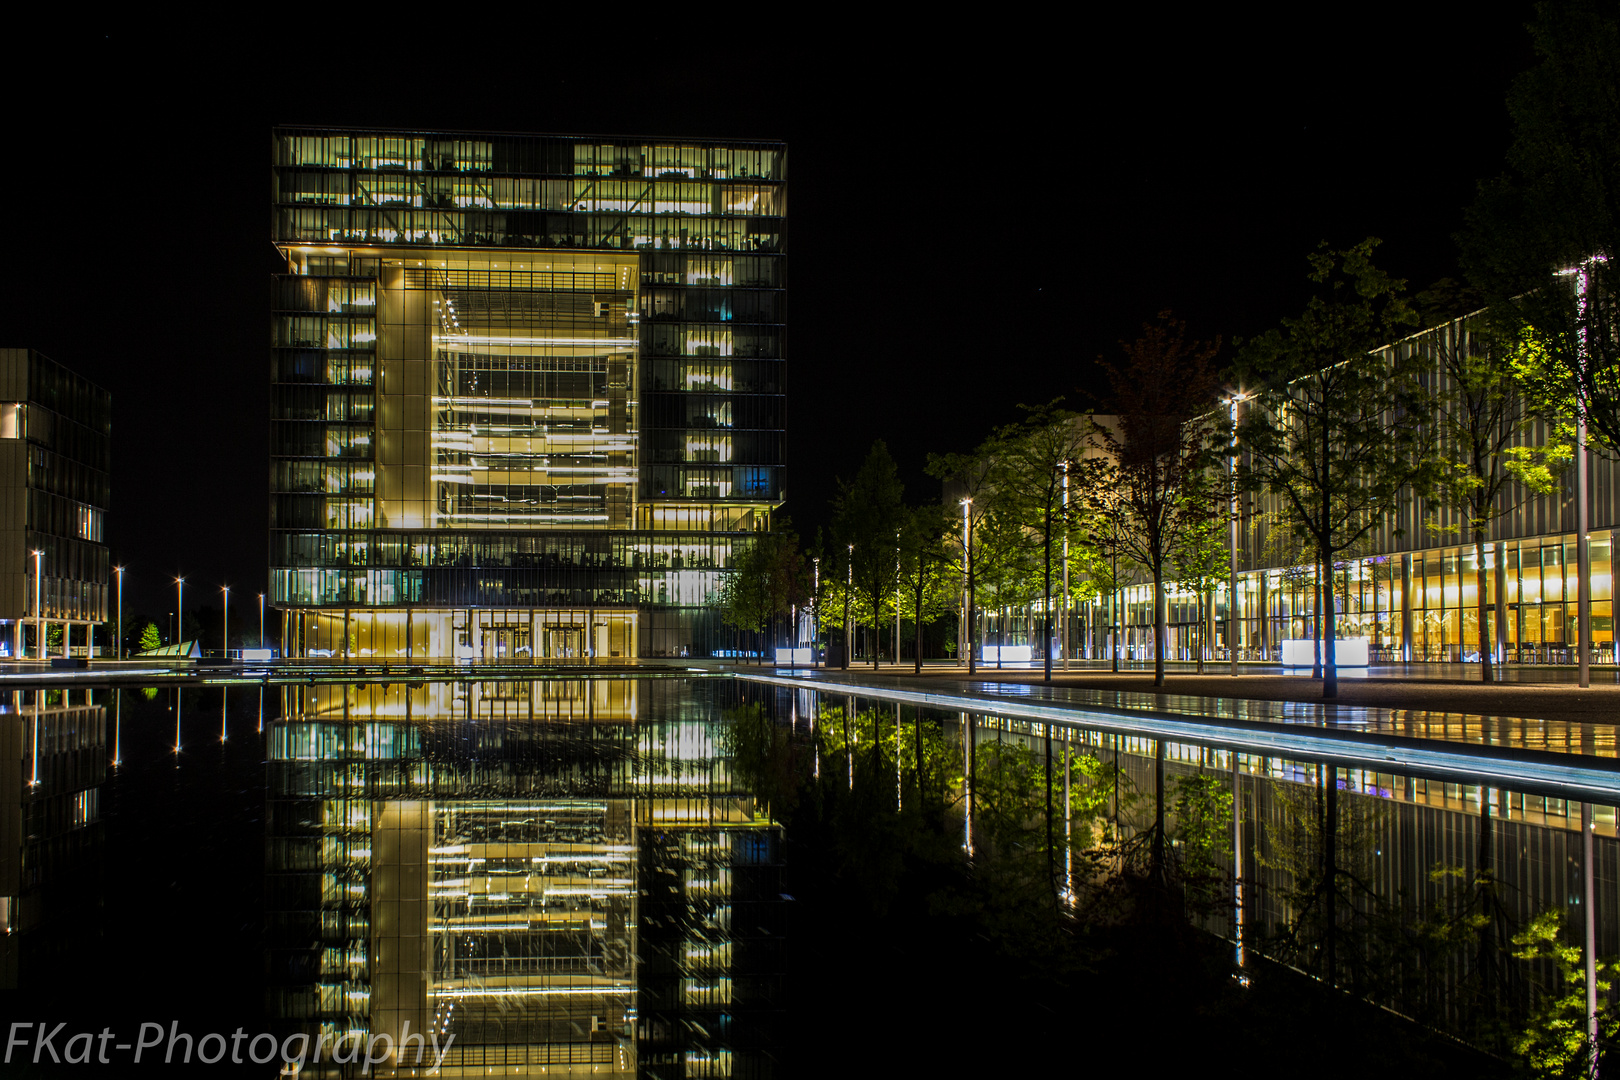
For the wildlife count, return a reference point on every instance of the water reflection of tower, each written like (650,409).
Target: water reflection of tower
(470,859)
(53,762)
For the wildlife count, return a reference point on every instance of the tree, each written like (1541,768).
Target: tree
(1337,431)
(150,638)
(868,513)
(1201,559)
(1542,241)
(768,581)
(927,577)
(1155,476)
(1483,423)
(1027,472)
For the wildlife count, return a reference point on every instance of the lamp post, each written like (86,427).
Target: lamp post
(39,625)
(897,598)
(261,620)
(225,644)
(849,587)
(1065,635)
(815,618)
(1583,554)
(967,634)
(1231,594)
(118,641)
(179,609)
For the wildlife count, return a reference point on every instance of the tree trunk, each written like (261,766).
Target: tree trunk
(1158,626)
(916,638)
(1487,643)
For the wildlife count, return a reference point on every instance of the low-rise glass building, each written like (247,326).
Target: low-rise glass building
(527,390)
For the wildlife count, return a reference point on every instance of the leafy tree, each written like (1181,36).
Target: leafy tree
(868,514)
(1202,561)
(1336,430)
(150,638)
(1027,472)
(769,580)
(1543,238)
(1155,478)
(1484,424)
(928,576)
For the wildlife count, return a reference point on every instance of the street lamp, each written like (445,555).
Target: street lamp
(1231,593)
(1583,596)
(1064,637)
(815,618)
(849,587)
(118,642)
(967,583)
(261,620)
(39,627)
(179,609)
(225,646)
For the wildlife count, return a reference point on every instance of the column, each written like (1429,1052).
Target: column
(1406,608)
(1499,578)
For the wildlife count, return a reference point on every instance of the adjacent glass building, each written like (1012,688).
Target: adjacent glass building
(527,390)
(55,460)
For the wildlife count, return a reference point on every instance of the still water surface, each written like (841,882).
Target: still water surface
(568,876)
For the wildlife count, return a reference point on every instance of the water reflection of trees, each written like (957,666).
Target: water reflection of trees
(1143,854)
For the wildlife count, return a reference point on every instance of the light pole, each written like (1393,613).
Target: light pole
(225,645)
(897,598)
(967,634)
(815,618)
(1583,555)
(39,625)
(118,642)
(1231,594)
(1065,634)
(261,620)
(179,609)
(849,587)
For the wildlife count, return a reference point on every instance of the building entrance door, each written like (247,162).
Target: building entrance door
(565,642)
(505,643)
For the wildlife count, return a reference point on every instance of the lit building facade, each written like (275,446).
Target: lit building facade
(527,390)
(1412,588)
(55,463)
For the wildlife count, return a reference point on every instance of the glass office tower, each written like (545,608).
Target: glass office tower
(527,390)
(55,461)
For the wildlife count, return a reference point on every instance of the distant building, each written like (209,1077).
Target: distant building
(55,460)
(527,389)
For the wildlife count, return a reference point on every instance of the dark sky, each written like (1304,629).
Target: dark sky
(975,215)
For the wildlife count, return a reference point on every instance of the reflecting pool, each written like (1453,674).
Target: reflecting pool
(596,876)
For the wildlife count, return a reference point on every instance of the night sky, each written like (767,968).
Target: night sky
(975,214)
